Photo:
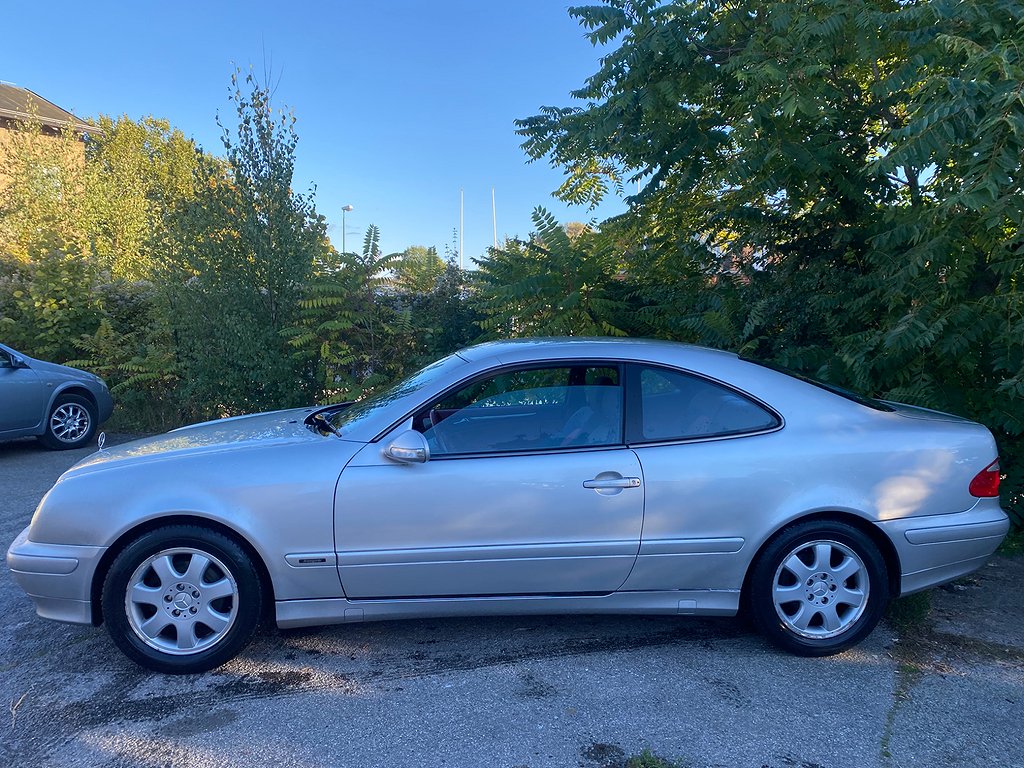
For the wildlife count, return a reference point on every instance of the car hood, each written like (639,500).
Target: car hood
(64,371)
(236,433)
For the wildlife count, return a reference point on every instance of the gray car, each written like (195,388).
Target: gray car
(522,477)
(61,406)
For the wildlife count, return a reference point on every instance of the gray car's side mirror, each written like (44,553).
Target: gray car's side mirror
(410,447)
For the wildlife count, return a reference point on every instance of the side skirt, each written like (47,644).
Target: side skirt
(309,613)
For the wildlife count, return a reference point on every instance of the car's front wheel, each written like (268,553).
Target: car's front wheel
(181,599)
(818,588)
(71,423)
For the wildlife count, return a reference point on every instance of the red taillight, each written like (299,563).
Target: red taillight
(986,483)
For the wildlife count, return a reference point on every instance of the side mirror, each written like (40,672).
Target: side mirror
(18,362)
(410,447)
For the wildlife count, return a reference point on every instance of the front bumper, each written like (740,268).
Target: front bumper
(57,577)
(936,549)
(104,405)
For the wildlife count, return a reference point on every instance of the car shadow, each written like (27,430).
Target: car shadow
(22,445)
(29,445)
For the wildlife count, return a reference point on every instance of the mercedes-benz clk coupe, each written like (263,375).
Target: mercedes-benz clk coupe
(562,476)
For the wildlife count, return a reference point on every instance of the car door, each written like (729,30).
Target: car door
(528,491)
(23,396)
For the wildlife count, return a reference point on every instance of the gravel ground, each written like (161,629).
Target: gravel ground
(550,691)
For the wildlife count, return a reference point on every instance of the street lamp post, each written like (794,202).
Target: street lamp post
(344,209)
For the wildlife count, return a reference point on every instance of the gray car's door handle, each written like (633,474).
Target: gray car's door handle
(612,482)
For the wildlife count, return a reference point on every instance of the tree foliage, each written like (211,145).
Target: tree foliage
(137,173)
(239,256)
(835,184)
(552,284)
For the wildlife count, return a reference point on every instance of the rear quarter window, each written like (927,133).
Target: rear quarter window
(678,406)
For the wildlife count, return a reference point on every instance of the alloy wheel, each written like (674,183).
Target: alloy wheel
(820,589)
(181,601)
(70,422)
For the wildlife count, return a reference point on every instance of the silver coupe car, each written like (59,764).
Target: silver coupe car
(61,406)
(520,477)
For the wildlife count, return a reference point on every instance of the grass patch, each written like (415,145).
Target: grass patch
(648,759)
(1013,544)
(910,614)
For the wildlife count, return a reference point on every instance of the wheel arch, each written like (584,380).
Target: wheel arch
(126,538)
(73,389)
(877,536)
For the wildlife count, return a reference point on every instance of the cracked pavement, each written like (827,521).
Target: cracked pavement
(536,691)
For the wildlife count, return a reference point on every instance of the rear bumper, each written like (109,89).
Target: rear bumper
(935,549)
(57,577)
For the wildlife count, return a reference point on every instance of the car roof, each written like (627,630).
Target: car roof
(550,348)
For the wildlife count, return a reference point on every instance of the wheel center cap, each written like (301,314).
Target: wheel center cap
(182,602)
(820,589)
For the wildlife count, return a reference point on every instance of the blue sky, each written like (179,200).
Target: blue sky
(400,103)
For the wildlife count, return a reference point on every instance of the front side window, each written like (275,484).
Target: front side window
(678,406)
(531,409)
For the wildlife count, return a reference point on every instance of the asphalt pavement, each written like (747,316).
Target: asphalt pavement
(515,692)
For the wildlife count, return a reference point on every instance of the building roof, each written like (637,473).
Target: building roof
(21,104)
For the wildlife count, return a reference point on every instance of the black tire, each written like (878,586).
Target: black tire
(824,594)
(83,409)
(177,550)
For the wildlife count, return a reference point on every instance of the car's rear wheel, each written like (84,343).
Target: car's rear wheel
(71,423)
(181,599)
(818,588)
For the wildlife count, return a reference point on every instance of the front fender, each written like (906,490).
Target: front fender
(278,498)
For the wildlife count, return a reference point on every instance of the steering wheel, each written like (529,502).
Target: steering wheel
(435,420)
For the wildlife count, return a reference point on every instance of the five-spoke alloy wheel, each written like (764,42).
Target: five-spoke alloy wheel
(818,588)
(181,599)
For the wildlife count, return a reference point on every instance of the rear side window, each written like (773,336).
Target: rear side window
(672,405)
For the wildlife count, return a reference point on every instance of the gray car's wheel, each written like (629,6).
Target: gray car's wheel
(818,588)
(71,423)
(181,599)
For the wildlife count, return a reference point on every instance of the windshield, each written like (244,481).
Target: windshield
(362,410)
(870,402)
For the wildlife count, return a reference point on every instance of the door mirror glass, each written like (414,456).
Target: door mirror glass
(408,448)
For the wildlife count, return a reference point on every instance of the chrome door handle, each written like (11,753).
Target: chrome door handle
(613,482)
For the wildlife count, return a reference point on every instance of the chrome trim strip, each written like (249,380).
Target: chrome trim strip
(489,553)
(312,559)
(715,546)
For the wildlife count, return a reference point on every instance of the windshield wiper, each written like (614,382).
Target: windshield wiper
(324,423)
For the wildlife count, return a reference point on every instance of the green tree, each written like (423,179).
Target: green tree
(552,284)
(352,329)
(137,173)
(50,300)
(418,269)
(239,256)
(834,184)
(42,192)
(444,318)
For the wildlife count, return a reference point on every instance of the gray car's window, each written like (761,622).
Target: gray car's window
(528,410)
(677,406)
